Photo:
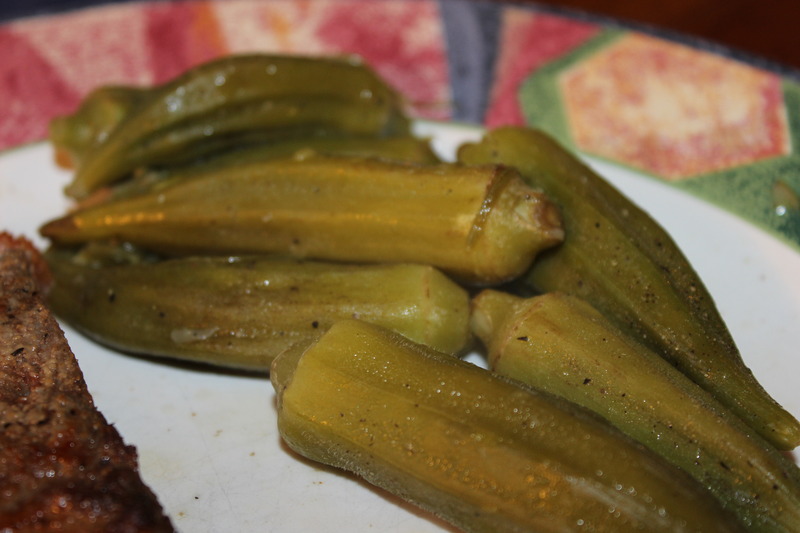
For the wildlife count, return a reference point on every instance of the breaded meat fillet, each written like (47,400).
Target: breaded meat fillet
(63,467)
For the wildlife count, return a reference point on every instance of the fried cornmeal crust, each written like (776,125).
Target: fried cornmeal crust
(63,467)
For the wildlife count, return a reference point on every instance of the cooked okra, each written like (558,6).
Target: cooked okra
(620,260)
(481,452)
(73,136)
(561,344)
(288,197)
(482,224)
(407,149)
(237,100)
(242,311)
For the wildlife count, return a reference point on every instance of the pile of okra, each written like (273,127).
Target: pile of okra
(278,214)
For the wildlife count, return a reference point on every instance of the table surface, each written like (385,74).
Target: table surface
(766,29)
(763,29)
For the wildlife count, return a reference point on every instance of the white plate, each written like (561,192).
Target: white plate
(208,442)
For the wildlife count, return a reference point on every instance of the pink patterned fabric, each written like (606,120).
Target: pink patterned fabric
(529,40)
(406,43)
(179,35)
(30,91)
(50,63)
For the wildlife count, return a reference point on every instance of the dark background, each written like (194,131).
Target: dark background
(764,29)
(761,29)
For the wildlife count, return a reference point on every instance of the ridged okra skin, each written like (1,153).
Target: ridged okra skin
(479,451)
(616,257)
(101,111)
(480,224)
(561,344)
(241,99)
(408,149)
(404,148)
(241,312)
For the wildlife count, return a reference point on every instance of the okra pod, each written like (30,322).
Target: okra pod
(482,224)
(561,344)
(621,261)
(240,99)
(101,111)
(242,311)
(401,148)
(404,148)
(478,450)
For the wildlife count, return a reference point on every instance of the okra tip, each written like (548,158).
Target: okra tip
(488,310)
(59,229)
(76,189)
(551,223)
(283,366)
(58,130)
(785,432)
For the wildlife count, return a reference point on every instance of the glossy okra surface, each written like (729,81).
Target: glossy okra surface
(617,258)
(481,224)
(242,311)
(233,101)
(560,344)
(477,450)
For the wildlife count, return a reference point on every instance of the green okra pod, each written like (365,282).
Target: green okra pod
(624,263)
(241,99)
(561,344)
(482,224)
(242,311)
(407,149)
(404,148)
(100,112)
(481,452)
